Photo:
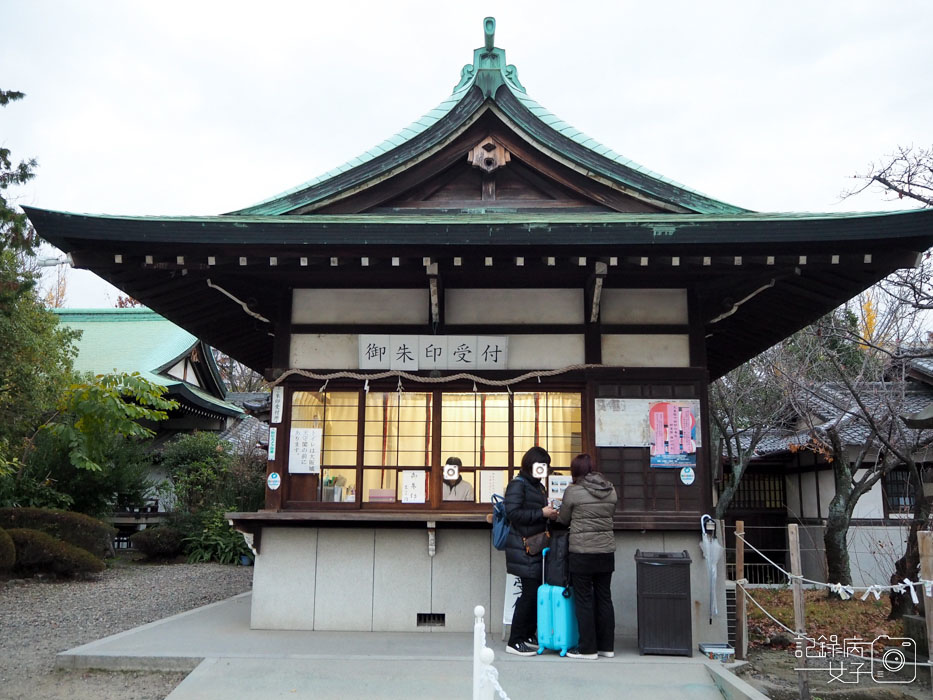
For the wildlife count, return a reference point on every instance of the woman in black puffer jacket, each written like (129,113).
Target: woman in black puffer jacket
(528,512)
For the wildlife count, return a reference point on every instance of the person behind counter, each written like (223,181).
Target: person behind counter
(456,489)
(588,505)
(528,512)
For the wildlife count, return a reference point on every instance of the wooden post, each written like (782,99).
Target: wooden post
(739,593)
(793,541)
(925,540)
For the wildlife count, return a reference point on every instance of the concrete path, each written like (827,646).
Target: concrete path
(229,660)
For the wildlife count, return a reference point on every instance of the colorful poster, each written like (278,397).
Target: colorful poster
(673,427)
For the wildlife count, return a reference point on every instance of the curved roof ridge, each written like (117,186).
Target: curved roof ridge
(488,73)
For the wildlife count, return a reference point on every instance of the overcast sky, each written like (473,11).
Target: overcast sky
(198,107)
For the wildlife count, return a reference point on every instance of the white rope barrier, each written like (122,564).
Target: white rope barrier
(434,380)
(846,591)
(802,635)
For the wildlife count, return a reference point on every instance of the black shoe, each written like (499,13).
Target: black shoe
(577,654)
(520,649)
(531,642)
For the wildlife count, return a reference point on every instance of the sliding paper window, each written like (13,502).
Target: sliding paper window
(552,420)
(397,446)
(335,414)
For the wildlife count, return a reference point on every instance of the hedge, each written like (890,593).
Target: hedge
(76,529)
(7,551)
(160,542)
(37,552)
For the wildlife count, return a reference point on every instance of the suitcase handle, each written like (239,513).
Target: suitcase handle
(543,558)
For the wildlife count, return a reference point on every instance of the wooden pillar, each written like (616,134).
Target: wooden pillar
(739,590)
(793,541)
(925,540)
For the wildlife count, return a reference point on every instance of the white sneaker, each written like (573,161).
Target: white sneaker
(607,654)
(520,649)
(577,654)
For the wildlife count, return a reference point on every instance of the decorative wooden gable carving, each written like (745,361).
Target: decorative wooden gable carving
(489,155)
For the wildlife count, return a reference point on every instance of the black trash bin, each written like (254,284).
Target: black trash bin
(665,624)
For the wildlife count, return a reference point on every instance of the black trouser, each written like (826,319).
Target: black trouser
(525,615)
(595,614)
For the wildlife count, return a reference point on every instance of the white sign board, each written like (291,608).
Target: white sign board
(278,401)
(513,591)
(623,422)
(556,485)
(273,441)
(490,482)
(304,451)
(413,486)
(414,352)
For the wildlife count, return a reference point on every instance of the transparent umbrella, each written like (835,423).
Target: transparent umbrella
(712,552)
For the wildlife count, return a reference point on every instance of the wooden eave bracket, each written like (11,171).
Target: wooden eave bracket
(595,288)
(435,292)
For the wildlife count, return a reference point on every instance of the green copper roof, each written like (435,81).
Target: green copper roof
(496,82)
(135,340)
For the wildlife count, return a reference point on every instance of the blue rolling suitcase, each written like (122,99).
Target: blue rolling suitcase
(557,618)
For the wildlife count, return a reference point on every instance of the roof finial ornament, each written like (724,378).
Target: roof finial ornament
(489,69)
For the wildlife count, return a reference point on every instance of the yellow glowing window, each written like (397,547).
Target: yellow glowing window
(551,419)
(337,413)
(475,428)
(397,431)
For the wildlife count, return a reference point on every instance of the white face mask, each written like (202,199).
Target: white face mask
(539,470)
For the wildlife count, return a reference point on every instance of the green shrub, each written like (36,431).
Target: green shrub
(76,529)
(216,540)
(161,542)
(7,551)
(37,552)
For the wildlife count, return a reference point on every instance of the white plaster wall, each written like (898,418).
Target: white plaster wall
(545,351)
(343,597)
(331,351)
(360,306)
(401,592)
(461,564)
(871,504)
(827,490)
(793,496)
(285,602)
(518,306)
(808,484)
(646,350)
(379,580)
(655,306)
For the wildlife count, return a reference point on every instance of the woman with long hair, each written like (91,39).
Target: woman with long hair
(588,506)
(528,512)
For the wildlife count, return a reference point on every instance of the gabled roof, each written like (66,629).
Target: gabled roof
(490,84)
(754,278)
(139,340)
(833,404)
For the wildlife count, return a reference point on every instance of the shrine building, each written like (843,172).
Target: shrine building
(486,280)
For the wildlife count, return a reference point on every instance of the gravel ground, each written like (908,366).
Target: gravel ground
(38,619)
